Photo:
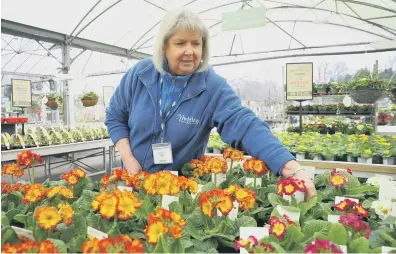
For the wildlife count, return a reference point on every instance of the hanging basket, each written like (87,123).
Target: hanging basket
(52,104)
(366,95)
(89,102)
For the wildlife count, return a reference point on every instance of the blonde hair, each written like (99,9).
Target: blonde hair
(176,20)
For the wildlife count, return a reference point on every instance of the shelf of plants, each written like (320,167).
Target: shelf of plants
(207,210)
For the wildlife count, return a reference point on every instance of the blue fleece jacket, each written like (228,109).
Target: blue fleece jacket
(207,102)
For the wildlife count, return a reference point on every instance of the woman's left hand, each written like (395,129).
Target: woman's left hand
(309,184)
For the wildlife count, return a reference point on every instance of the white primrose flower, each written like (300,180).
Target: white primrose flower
(373,181)
(383,208)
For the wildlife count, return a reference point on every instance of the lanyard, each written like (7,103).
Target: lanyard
(168,107)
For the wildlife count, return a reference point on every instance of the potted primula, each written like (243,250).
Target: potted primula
(366,156)
(89,99)
(388,157)
(300,152)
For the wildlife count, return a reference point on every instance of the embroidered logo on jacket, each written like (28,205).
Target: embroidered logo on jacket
(187,119)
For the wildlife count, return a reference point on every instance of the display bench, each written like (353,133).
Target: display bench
(70,154)
(359,169)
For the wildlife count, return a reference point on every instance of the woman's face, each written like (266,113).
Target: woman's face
(183,52)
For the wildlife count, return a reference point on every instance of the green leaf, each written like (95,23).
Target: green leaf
(11,205)
(208,187)
(306,206)
(376,239)
(196,233)
(205,246)
(177,247)
(186,243)
(277,247)
(8,235)
(176,207)
(293,234)
(245,221)
(313,226)
(360,245)
(11,213)
(367,203)
(22,218)
(80,187)
(186,170)
(114,231)
(136,234)
(196,218)
(145,209)
(361,189)
(93,220)
(80,224)
(61,246)
(276,200)
(4,221)
(257,210)
(320,236)
(338,234)
(162,245)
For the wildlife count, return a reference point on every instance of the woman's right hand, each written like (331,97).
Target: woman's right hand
(133,166)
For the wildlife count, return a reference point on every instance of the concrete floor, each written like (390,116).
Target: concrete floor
(56,173)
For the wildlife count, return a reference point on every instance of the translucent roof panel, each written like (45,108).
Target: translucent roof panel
(293,27)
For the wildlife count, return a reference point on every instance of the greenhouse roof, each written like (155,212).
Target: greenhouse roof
(110,35)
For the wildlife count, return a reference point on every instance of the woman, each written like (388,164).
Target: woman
(161,114)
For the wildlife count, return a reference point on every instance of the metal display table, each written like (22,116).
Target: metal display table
(68,152)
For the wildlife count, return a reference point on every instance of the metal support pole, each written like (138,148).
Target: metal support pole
(301,126)
(104,158)
(110,160)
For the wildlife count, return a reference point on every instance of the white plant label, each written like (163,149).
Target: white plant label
(386,249)
(298,195)
(200,186)
(344,249)
(219,178)
(122,188)
(258,232)
(250,180)
(94,233)
(387,190)
(176,173)
(167,200)
(333,218)
(23,232)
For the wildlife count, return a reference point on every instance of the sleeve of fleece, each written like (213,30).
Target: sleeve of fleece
(117,114)
(239,127)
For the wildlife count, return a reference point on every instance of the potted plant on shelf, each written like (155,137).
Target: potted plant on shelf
(89,99)
(316,152)
(366,156)
(366,88)
(388,156)
(293,109)
(321,88)
(300,152)
(54,100)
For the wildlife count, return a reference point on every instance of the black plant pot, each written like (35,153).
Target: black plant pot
(377,160)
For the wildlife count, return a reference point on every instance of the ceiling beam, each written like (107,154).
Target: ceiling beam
(35,33)
(305,55)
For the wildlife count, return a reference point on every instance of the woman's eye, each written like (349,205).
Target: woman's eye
(179,43)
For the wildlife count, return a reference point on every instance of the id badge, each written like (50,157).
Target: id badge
(162,153)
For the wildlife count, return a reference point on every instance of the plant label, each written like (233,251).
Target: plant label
(23,232)
(333,218)
(200,186)
(339,199)
(167,200)
(386,249)
(258,232)
(344,249)
(122,188)
(176,173)
(385,177)
(295,216)
(219,178)
(394,210)
(387,190)
(250,180)
(94,233)
(298,195)
(234,212)
(347,101)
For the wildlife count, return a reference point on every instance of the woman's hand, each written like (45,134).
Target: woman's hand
(290,167)
(133,166)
